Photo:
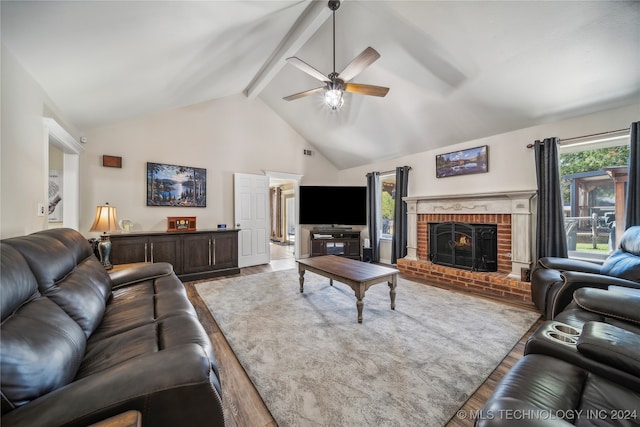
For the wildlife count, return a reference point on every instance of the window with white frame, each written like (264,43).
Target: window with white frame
(593,179)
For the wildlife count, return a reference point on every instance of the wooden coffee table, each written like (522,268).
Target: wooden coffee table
(360,276)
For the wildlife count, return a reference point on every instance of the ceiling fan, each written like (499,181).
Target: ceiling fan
(338,83)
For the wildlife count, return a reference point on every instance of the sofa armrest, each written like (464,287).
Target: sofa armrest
(611,345)
(573,280)
(139,273)
(569,264)
(620,305)
(170,387)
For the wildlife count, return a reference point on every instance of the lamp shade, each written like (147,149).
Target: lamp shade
(105,220)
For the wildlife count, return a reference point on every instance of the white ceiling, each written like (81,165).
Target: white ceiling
(458,70)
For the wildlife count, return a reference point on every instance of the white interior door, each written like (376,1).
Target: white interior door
(251,211)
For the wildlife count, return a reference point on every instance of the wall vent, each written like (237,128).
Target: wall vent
(307,152)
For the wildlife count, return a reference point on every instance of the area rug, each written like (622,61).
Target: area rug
(314,365)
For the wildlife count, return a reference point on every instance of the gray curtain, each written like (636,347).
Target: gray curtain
(373,214)
(550,233)
(633,185)
(399,246)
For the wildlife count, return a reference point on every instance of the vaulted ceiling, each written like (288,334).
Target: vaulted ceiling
(457,70)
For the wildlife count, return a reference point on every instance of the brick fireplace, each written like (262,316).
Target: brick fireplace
(510,211)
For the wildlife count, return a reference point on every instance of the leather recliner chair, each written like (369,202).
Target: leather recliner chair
(582,368)
(553,280)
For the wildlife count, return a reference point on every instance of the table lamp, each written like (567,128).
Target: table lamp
(106,222)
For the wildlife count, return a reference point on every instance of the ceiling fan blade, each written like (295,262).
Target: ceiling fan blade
(366,89)
(303,94)
(359,63)
(297,62)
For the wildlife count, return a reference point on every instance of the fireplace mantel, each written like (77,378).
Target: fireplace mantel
(516,203)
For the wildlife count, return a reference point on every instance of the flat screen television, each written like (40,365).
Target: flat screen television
(332,206)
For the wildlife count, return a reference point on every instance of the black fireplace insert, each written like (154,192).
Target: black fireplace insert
(463,245)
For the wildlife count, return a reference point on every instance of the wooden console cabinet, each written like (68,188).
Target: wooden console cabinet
(194,254)
(335,242)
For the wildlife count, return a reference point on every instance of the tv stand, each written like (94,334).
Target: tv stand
(331,241)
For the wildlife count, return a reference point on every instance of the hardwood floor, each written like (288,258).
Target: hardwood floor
(243,405)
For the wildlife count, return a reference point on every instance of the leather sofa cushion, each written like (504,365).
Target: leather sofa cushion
(625,262)
(146,317)
(68,273)
(42,348)
(621,264)
(611,345)
(616,304)
(576,316)
(170,388)
(18,283)
(109,352)
(540,384)
(143,303)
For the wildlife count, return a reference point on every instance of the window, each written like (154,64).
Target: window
(593,180)
(388,191)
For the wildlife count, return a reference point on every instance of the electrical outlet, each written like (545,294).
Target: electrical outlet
(40,209)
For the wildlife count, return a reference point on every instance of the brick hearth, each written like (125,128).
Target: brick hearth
(512,214)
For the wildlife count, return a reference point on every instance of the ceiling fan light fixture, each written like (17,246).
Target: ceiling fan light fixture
(333,98)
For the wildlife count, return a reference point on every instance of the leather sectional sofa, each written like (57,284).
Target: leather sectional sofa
(80,345)
(582,365)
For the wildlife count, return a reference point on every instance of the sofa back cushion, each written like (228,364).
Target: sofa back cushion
(68,273)
(625,262)
(42,347)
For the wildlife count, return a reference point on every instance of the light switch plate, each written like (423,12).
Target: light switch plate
(40,209)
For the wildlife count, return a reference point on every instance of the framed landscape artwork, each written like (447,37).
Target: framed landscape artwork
(173,185)
(463,162)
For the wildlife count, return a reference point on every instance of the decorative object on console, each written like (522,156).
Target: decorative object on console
(462,162)
(126,225)
(106,222)
(181,223)
(173,185)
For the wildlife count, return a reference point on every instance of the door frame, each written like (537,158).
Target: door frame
(71,149)
(296,178)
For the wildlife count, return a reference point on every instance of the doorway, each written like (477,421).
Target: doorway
(283,191)
(282,202)
(63,178)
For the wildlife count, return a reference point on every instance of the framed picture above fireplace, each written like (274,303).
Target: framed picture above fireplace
(463,162)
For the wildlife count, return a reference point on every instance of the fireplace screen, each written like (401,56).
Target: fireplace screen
(463,245)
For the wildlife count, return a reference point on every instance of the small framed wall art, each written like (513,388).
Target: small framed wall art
(463,162)
(111,161)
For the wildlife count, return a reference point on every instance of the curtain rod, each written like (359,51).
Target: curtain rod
(588,136)
(387,172)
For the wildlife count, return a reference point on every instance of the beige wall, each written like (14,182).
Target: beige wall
(224,136)
(511,163)
(24,149)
